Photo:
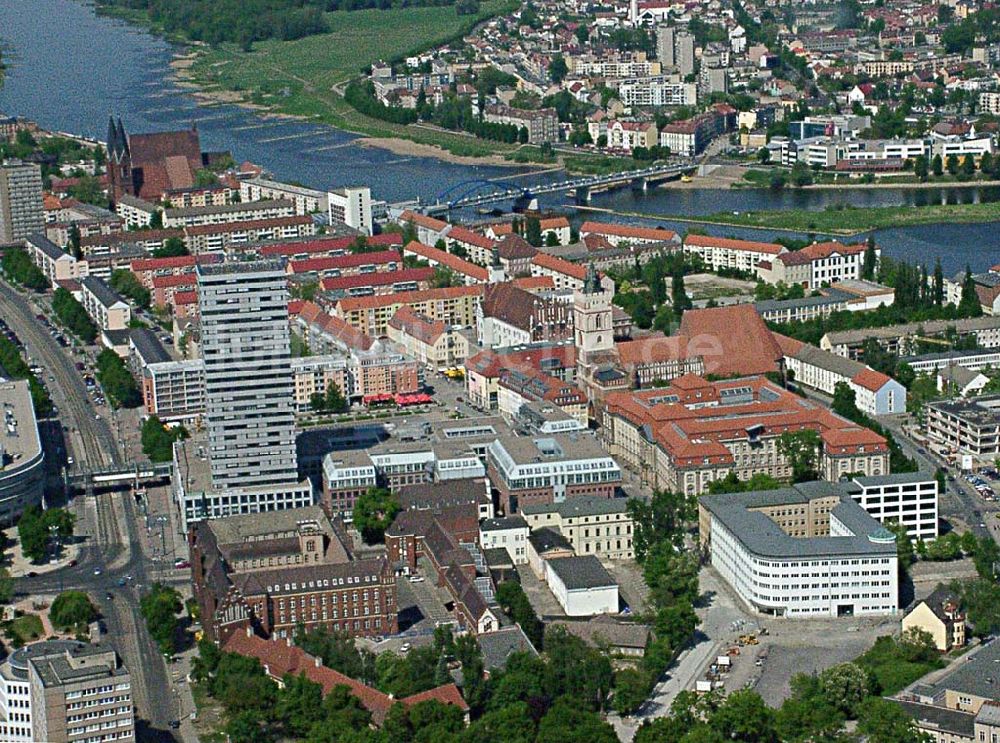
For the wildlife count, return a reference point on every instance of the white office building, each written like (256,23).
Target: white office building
(910,499)
(506,532)
(582,586)
(802,551)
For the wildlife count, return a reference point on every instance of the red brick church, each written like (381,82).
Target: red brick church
(148,165)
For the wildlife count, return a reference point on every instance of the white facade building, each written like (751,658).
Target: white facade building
(351,205)
(657,91)
(506,532)
(801,552)
(582,586)
(910,499)
(306,200)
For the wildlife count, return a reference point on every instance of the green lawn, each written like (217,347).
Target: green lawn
(850,220)
(25,628)
(298,77)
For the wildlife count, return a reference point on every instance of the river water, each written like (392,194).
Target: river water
(69,69)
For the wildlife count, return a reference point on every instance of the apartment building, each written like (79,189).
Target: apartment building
(816,265)
(801,552)
(104,305)
(875,393)
(902,339)
(204,238)
(722,252)
(434,345)
(657,91)
(966,426)
(21,212)
(593,526)
(135,212)
(306,200)
(508,533)
(80,692)
(287,569)
(550,469)
(347,475)
(467,272)
(930,363)
(524,387)
(174,390)
(454,305)
(353,264)
(940,615)
(686,435)
(541,124)
(241,212)
(147,269)
(53,261)
(315,375)
(351,206)
(619,234)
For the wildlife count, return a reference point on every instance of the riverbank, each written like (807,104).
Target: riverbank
(410,148)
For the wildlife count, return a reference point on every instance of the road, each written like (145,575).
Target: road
(108,522)
(960,499)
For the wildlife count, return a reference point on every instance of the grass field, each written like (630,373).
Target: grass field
(850,220)
(300,77)
(25,628)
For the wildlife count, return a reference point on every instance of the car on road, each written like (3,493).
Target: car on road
(416,579)
(97,571)
(405,648)
(181,564)
(109,596)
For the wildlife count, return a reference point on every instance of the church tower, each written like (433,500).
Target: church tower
(592,320)
(119,160)
(496,272)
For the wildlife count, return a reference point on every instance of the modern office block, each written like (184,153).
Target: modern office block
(21,212)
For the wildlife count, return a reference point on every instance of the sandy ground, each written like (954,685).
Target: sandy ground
(416,149)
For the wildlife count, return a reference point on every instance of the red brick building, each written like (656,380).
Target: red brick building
(275,571)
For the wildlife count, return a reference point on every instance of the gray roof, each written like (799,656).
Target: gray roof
(233,268)
(959,375)
(930,327)
(603,629)
(983,411)
(950,355)
(498,646)
(546,539)
(978,675)
(48,247)
(901,478)
(762,536)
(137,203)
(582,572)
(772,305)
(502,523)
(580,505)
(930,717)
(245,206)
(829,361)
(104,293)
(148,346)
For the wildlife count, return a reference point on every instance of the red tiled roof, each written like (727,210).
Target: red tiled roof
(732,340)
(327,244)
(366,303)
(423,220)
(417,325)
(653,349)
(281,658)
(313,314)
(185,298)
(379,278)
(870,379)
(817,251)
(789,346)
(178,261)
(380,257)
(453,262)
(627,231)
(180,279)
(710,241)
(462,235)
(167,160)
(558,265)
(530,283)
(513,247)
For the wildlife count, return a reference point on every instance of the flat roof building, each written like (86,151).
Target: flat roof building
(803,551)
(967,426)
(22,460)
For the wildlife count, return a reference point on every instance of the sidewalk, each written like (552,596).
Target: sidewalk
(20,566)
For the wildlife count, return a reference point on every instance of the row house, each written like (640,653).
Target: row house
(239,212)
(721,252)
(204,238)
(454,305)
(468,273)
(351,264)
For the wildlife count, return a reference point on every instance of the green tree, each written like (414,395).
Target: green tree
(35,529)
(558,69)
(19,269)
(937,166)
(566,721)
(938,286)
(905,550)
(870,266)
(920,168)
(509,724)
(159,607)
(300,705)
(968,166)
(883,721)
(72,315)
(845,686)
(125,283)
(512,599)
(952,164)
(374,511)
(743,716)
(117,381)
(801,449)
(72,610)
(172,248)
(158,440)
(969,305)
(663,518)
(533,231)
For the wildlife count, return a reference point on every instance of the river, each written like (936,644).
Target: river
(69,69)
